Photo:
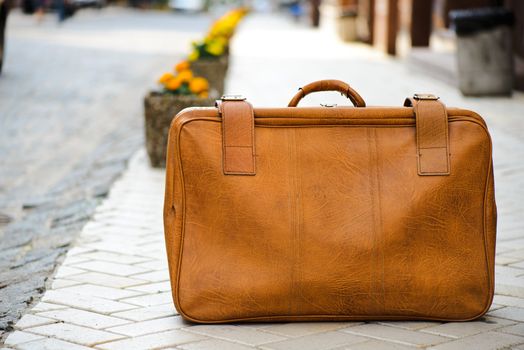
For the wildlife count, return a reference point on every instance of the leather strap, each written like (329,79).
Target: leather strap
(238,137)
(328,85)
(432,135)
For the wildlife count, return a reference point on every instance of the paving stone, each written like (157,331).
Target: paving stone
(51,344)
(518,253)
(79,301)
(150,299)
(74,259)
(30,320)
(508,301)
(156,264)
(43,306)
(397,335)
(19,337)
(505,260)
(152,341)
(509,312)
(236,334)
(301,329)
(320,341)
(519,265)
(517,329)
(76,334)
(61,283)
(411,325)
(66,271)
(101,291)
(155,276)
(482,341)
(164,286)
(116,258)
(84,318)
(148,313)
(464,329)
(510,270)
(375,345)
(111,268)
(103,279)
(213,344)
(509,285)
(150,326)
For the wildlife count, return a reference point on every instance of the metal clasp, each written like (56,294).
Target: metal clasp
(233,98)
(425,97)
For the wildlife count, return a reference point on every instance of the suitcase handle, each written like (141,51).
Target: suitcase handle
(328,85)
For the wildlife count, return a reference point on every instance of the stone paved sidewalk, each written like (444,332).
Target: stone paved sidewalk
(112,290)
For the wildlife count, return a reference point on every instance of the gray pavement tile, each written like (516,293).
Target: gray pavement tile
(152,341)
(396,335)
(51,344)
(464,329)
(238,334)
(509,312)
(482,341)
(319,341)
(517,329)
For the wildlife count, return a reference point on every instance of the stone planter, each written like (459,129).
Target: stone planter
(159,110)
(214,70)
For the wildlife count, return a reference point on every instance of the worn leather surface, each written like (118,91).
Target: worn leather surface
(337,223)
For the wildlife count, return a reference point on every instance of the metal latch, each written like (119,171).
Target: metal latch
(425,97)
(233,98)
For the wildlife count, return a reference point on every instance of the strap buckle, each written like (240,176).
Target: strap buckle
(233,98)
(430,97)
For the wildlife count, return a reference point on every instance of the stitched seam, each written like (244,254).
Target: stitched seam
(372,198)
(436,147)
(293,210)
(379,218)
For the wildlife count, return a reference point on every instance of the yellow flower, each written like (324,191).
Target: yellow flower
(185,76)
(173,84)
(198,85)
(165,78)
(215,48)
(203,94)
(193,56)
(181,66)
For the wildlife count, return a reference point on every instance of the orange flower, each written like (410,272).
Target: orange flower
(185,76)
(198,85)
(182,66)
(165,78)
(173,84)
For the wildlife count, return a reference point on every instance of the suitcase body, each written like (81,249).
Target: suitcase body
(317,213)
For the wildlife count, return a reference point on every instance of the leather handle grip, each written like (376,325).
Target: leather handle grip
(328,85)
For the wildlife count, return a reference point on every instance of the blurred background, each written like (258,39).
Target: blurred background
(85,84)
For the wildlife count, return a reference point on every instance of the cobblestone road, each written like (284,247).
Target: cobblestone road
(70,117)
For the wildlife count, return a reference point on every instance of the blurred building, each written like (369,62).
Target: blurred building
(420,29)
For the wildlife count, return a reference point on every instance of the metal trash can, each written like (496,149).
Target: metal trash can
(484,50)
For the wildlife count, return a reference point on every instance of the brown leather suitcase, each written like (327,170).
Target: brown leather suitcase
(341,213)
